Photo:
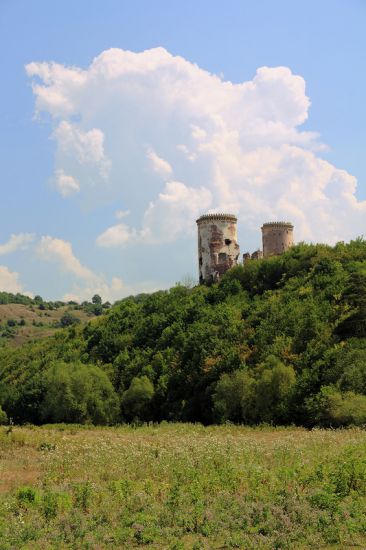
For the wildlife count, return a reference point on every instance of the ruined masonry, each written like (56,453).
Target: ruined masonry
(218,248)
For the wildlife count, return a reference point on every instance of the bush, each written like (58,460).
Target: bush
(68,319)
(273,391)
(330,407)
(136,399)
(234,397)
(3,417)
(79,393)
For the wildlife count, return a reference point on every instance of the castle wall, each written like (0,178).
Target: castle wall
(218,248)
(277,237)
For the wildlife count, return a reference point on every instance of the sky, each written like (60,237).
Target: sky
(122,122)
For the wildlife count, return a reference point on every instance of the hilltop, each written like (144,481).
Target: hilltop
(279,340)
(23,319)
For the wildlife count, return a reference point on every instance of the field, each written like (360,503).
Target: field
(36,323)
(180,486)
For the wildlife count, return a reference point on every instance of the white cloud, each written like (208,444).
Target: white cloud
(50,248)
(158,164)
(15,242)
(87,147)
(116,235)
(234,146)
(174,212)
(87,282)
(66,185)
(121,214)
(9,281)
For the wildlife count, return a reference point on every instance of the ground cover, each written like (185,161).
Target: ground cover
(180,486)
(20,323)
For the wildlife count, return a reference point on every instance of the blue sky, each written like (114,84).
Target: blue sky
(101,188)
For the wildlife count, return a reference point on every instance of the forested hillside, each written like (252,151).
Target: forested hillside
(280,340)
(23,319)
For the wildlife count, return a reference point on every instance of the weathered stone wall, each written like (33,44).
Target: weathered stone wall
(277,237)
(218,249)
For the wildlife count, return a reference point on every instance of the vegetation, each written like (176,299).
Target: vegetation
(179,486)
(279,340)
(23,319)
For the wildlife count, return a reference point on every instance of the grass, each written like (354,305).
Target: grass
(38,324)
(178,486)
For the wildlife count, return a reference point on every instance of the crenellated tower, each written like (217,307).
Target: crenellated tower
(218,248)
(277,237)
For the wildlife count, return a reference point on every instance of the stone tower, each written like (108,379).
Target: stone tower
(218,249)
(277,237)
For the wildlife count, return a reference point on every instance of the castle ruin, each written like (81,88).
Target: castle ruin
(218,248)
(277,237)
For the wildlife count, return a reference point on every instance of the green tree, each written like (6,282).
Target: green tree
(137,398)
(68,319)
(354,296)
(273,390)
(233,398)
(79,393)
(97,300)
(330,407)
(3,417)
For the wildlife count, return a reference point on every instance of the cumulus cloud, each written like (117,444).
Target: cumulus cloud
(116,235)
(66,185)
(87,147)
(15,242)
(9,281)
(183,204)
(158,164)
(88,283)
(234,146)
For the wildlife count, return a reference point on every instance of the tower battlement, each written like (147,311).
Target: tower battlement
(217,216)
(218,248)
(277,237)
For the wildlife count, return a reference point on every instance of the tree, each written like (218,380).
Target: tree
(135,401)
(273,390)
(3,417)
(79,393)
(234,397)
(97,300)
(68,319)
(330,407)
(354,296)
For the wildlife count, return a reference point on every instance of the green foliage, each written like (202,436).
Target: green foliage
(136,399)
(78,393)
(97,299)
(259,346)
(3,417)
(330,407)
(68,319)
(234,397)
(273,391)
(262,396)
(183,486)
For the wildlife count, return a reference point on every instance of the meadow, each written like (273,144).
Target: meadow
(182,486)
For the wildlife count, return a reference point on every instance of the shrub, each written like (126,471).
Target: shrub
(234,397)
(79,393)
(68,319)
(330,407)
(3,417)
(136,399)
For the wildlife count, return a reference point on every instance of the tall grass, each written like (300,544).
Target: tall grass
(180,486)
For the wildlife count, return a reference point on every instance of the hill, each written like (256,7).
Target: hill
(23,319)
(280,340)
